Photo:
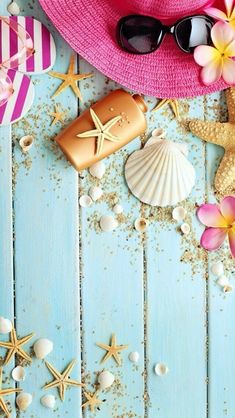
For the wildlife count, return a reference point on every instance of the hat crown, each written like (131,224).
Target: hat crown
(169,8)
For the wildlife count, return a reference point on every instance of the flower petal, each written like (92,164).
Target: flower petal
(227,208)
(222,35)
(230,50)
(231,237)
(216,13)
(229,6)
(210,215)
(213,238)
(228,71)
(204,54)
(212,72)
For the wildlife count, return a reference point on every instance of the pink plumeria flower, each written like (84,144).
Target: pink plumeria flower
(217,61)
(219,222)
(228,16)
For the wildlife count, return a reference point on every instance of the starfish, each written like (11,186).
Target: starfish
(174,104)
(222,134)
(69,79)
(62,380)
(57,115)
(102,131)
(5,392)
(112,350)
(15,346)
(92,401)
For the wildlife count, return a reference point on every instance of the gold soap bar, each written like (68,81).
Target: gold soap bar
(82,152)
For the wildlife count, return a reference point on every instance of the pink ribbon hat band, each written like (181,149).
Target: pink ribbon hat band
(89,27)
(15,61)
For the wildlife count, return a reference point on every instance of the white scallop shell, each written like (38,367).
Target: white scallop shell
(18,373)
(179,213)
(48,401)
(217,269)
(134,356)
(85,201)
(185,228)
(108,223)
(42,348)
(23,400)
(95,193)
(161,369)
(105,379)
(97,170)
(160,174)
(5,325)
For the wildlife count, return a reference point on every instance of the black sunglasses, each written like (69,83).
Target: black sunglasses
(139,34)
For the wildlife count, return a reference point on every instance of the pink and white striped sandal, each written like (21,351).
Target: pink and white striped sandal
(26,46)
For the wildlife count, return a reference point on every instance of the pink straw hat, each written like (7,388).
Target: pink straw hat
(89,27)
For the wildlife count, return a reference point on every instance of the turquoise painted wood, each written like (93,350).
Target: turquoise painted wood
(69,282)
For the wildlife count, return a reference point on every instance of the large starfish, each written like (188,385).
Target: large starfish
(113,350)
(62,380)
(173,103)
(92,401)
(5,392)
(70,79)
(15,346)
(102,131)
(222,134)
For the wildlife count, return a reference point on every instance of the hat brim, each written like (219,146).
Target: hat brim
(89,27)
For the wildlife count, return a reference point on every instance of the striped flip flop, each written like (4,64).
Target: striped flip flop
(41,61)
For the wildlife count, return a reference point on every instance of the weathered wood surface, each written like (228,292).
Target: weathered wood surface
(68,281)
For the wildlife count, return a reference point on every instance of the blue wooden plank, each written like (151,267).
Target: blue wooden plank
(221,306)
(46,232)
(175,292)
(112,279)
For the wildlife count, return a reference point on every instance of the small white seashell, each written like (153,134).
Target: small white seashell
(5,325)
(95,193)
(217,269)
(161,369)
(97,170)
(18,373)
(159,132)
(85,201)
(105,379)
(42,348)
(185,228)
(118,209)
(223,281)
(228,289)
(108,223)
(134,356)
(23,400)
(26,142)
(160,174)
(141,224)
(179,213)
(13,8)
(48,401)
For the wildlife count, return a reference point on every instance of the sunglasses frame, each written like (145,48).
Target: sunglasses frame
(165,29)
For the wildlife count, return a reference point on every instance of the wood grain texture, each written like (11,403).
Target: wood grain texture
(76,285)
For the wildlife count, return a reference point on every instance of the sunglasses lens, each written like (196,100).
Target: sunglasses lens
(139,34)
(193,31)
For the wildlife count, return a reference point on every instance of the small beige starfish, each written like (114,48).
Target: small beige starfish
(62,380)
(5,392)
(70,79)
(113,350)
(174,104)
(102,131)
(92,401)
(57,115)
(15,346)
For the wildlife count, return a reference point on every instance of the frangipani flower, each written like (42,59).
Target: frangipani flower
(217,61)
(219,222)
(218,14)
